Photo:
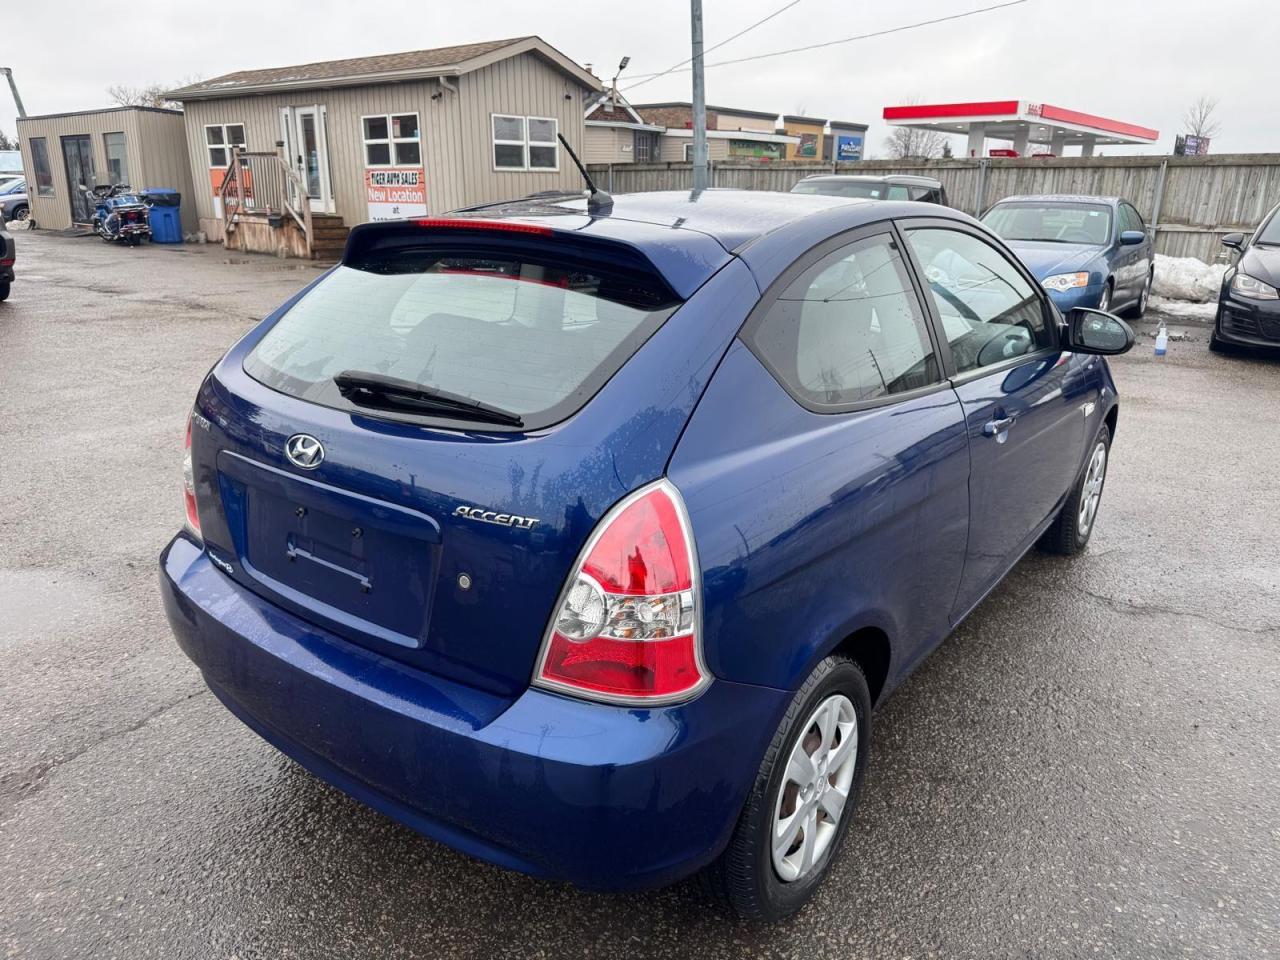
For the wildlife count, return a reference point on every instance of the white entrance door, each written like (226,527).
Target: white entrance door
(307,148)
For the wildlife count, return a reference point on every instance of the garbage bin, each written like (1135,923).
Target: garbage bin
(165,205)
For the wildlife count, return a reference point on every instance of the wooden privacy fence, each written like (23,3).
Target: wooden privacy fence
(1190,202)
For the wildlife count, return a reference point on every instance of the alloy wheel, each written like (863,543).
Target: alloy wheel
(1091,490)
(815,789)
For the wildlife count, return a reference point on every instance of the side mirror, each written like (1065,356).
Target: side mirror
(1093,331)
(1130,238)
(1233,240)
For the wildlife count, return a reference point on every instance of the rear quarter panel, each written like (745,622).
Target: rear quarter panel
(812,526)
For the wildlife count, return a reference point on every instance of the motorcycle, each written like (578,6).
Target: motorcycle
(118,214)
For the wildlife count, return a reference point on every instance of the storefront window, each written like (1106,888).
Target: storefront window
(755,150)
(117,162)
(392,140)
(43,172)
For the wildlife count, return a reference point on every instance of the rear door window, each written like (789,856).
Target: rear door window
(525,331)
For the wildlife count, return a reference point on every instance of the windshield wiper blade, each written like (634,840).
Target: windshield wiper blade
(389,393)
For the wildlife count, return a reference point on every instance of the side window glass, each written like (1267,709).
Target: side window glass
(989,312)
(897,193)
(1133,221)
(849,329)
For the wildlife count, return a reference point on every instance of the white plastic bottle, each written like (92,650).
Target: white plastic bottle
(1162,340)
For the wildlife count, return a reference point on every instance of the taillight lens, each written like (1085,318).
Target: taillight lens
(189,485)
(627,628)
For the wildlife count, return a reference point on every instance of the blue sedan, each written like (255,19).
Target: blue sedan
(1086,251)
(584,535)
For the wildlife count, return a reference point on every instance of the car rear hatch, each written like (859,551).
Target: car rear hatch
(412,453)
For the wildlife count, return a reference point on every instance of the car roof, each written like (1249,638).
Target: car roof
(733,218)
(1059,198)
(899,178)
(689,235)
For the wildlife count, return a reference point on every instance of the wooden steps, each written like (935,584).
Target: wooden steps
(328,236)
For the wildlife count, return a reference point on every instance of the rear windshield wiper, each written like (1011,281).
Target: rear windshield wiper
(389,393)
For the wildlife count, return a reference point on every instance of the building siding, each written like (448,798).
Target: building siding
(455,128)
(671,149)
(608,145)
(155,150)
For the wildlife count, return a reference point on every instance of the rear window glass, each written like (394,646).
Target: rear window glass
(867,190)
(529,334)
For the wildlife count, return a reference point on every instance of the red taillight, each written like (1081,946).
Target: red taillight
(189,485)
(502,226)
(627,627)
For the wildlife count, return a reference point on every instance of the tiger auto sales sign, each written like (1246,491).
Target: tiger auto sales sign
(396,192)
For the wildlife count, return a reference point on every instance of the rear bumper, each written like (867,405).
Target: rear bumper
(1253,323)
(605,797)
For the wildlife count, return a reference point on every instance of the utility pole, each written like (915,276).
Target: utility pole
(699,101)
(17,100)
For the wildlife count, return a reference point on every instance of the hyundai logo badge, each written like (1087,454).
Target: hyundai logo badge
(304,451)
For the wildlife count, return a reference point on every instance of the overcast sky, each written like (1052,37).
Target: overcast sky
(1141,61)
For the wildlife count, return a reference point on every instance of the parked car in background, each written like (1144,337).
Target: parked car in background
(890,187)
(1249,302)
(13,200)
(1086,251)
(540,529)
(8,255)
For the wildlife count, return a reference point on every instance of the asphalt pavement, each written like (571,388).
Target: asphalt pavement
(1089,767)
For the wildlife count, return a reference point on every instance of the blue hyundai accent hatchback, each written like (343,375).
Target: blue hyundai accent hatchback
(585,538)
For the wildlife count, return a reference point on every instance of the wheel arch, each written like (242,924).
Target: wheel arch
(870,648)
(1111,419)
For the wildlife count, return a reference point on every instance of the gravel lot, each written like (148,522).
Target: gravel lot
(1089,767)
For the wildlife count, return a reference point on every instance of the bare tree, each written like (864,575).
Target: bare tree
(909,143)
(1201,119)
(149,95)
(6,143)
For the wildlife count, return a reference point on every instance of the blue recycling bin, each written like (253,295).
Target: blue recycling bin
(165,208)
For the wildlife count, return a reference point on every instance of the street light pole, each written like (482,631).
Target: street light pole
(17,100)
(699,101)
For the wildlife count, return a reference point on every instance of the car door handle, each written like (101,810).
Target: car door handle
(996,427)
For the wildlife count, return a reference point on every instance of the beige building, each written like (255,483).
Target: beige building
(328,145)
(65,153)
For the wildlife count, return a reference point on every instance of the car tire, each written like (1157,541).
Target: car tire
(1104,301)
(20,213)
(747,878)
(1070,531)
(1138,309)
(4,291)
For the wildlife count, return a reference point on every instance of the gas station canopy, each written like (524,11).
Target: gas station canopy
(1021,122)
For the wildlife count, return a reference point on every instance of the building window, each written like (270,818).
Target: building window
(646,146)
(117,162)
(544,148)
(525,143)
(392,140)
(219,138)
(43,172)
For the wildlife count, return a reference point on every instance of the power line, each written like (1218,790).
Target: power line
(831,43)
(646,77)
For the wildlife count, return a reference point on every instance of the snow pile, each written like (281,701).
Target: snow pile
(1184,309)
(1186,278)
